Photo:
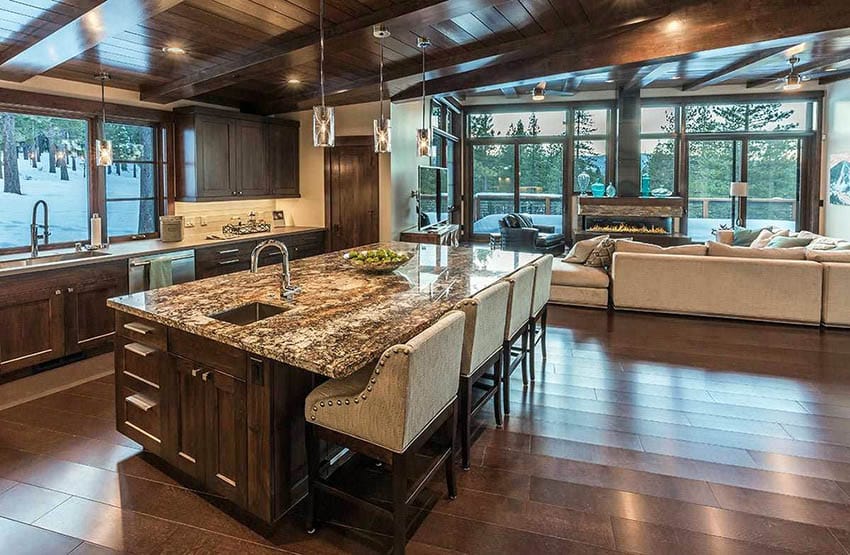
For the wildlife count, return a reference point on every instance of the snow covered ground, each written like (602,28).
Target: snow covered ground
(68,204)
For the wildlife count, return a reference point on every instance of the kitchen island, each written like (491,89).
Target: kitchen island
(211,375)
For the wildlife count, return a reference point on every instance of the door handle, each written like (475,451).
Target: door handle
(336,229)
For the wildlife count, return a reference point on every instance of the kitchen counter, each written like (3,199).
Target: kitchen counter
(130,249)
(344,318)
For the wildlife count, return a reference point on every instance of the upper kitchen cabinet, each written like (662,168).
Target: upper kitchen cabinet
(222,156)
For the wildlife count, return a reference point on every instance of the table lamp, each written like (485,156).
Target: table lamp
(738,192)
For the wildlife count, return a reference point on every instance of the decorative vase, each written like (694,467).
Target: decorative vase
(645,185)
(598,189)
(610,191)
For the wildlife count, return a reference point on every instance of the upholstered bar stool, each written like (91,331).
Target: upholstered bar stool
(388,413)
(486,317)
(516,328)
(539,308)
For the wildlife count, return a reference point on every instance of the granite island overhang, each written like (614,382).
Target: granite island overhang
(222,403)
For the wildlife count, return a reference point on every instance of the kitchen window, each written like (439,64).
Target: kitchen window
(131,181)
(44,157)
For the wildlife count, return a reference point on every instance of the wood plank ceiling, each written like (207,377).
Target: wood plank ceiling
(250,53)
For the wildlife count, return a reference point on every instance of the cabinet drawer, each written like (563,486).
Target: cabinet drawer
(142,363)
(141,420)
(208,353)
(141,331)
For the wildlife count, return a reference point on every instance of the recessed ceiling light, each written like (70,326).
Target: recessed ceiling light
(676,77)
(831,69)
(173,50)
(294,81)
(674,26)
(609,80)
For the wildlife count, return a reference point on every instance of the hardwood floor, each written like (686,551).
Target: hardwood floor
(643,433)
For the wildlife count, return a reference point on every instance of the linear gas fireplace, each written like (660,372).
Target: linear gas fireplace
(653,220)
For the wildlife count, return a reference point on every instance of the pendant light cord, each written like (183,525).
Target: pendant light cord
(322,49)
(381,85)
(423,86)
(103,101)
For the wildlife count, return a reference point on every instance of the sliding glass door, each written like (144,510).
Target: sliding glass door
(773,173)
(712,166)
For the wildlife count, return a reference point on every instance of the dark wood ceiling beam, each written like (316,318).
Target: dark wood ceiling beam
(108,19)
(287,51)
(462,59)
(735,68)
(705,26)
(834,77)
(819,63)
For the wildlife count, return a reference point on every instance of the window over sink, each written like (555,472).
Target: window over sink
(43,157)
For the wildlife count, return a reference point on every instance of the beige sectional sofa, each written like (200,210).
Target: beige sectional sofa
(753,289)
(778,285)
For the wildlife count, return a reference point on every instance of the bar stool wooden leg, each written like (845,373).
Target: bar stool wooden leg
(544,320)
(524,355)
(506,375)
(451,483)
(532,336)
(465,409)
(497,397)
(312,444)
(399,503)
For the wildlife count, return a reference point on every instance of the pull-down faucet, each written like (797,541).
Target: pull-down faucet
(287,291)
(34,236)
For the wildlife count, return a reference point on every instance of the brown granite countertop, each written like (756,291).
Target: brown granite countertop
(344,318)
(129,249)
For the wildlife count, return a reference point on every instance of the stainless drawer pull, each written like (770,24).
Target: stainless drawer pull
(138,327)
(205,376)
(226,262)
(140,402)
(228,251)
(195,372)
(148,262)
(139,349)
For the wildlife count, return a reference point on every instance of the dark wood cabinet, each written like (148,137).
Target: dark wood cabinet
(226,436)
(236,257)
(55,313)
(34,329)
(184,417)
(283,160)
(222,156)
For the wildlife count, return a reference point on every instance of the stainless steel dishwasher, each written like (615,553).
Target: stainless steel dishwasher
(182,269)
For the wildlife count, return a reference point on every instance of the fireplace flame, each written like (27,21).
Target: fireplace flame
(625,228)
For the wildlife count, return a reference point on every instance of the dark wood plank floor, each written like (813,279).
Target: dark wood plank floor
(643,433)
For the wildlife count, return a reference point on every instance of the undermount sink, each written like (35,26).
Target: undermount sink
(49,259)
(248,313)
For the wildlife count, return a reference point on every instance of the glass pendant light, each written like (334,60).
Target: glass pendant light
(382,127)
(423,134)
(102,147)
(323,116)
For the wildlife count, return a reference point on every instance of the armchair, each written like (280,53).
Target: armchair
(519,233)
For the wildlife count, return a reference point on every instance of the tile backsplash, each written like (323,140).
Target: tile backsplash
(219,213)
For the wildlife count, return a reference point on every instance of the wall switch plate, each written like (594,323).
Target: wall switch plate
(203,220)
(189,222)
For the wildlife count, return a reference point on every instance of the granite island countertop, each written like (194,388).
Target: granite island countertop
(344,318)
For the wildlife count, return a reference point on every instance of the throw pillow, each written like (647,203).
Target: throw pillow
(765,235)
(788,242)
(648,248)
(809,235)
(719,249)
(601,255)
(524,221)
(582,249)
(829,256)
(512,221)
(745,237)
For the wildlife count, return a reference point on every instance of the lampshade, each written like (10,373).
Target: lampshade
(738,189)
(103,152)
(323,126)
(382,131)
(423,141)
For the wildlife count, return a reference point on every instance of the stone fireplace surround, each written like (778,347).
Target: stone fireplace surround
(633,212)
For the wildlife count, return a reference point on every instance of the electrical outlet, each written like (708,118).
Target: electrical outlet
(189,222)
(203,220)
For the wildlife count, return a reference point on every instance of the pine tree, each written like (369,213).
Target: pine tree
(11,178)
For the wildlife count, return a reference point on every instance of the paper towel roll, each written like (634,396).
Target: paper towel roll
(96,231)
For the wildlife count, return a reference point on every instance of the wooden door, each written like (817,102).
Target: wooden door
(227,436)
(184,418)
(252,179)
(283,160)
(89,321)
(351,192)
(215,171)
(33,325)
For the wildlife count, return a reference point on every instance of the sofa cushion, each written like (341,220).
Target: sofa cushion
(546,240)
(828,243)
(766,235)
(839,255)
(524,221)
(719,249)
(582,249)
(781,242)
(649,248)
(579,275)
(601,255)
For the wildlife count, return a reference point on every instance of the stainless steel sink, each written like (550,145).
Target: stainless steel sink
(49,259)
(248,313)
